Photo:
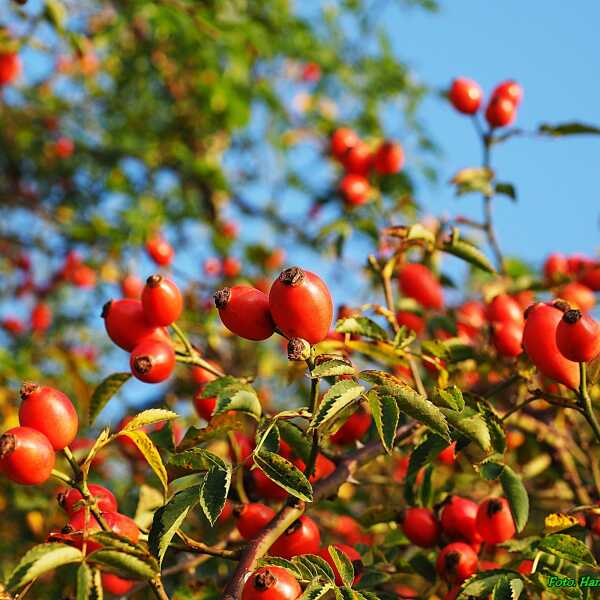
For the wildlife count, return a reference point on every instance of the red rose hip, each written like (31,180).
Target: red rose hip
(301,537)
(252,518)
(578,337)
(421,527)
(353,556)
(509,89)
(456,562)
(355,189)
(495,522)
(465,95)
(389,158)
(71,500)
(418,282)
(160,251)
(342,140)
(271,583)
(26,456)
(500,112)
(152,361)
(161,300)
(458,519)
(245,311)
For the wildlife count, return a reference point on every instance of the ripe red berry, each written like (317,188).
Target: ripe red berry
(509,89)
(201,375)
(458,519)
(324,467)
(500,112)
(504,309)
(359,159)
(64,147)
(448,455)
(131,287)
(160,251)
(465,95)
(231,267)
(578,295)
(41,317)
(577,263)
(495,522)
(245,311)
(525,567)
(456,562)
(301,305)
(266,488)
(507,338)
(204,406)
(71,500)
(162,301)
(590,276)
(421,527)
(271,583)
(10,67)
(115,585)
(13,325)
(353,429)
(355,189)
(555,267)
(353,556)
(121,525)
(418,282)
(26,456)
(411,320)
(152,361)
(301,537)
(578,337)
(252,518)
(471,315)
(539,341)
(50,412)
(311,72)
(389,158)
(342,140)
(127,326)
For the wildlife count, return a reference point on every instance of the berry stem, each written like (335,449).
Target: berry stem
(197,361)
(184,339)
(586,401)
(157,587)
(74,464)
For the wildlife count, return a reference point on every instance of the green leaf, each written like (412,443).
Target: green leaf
(148,417)
(296,438)
(469,253)
(150,453)
(315,566)
(517,497)
(284,474)
(572,128)
(284,563)
(343,565)
(506,189)
(495,428)
(197,459)
(333,367)
(362,326)
(316,590)
(336,399)
(104,392)
(213,492)
(241,398)
(481,584)
(40,560)
(426,452)
(89,583)
(378,377)
(471,424)
(474,179)
(384,410)
(417,407)
(219,385)
(507,588)
(168,519)
(56,13)
(123,563)
(113,541)
(451,397)
(490,469)
(568,548)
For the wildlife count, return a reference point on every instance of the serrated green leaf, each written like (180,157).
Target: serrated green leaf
(213,492)
(40,560)
(284,563)
(384,410)
(148,417)
(343,565)
(572,128)
(362,326)
(481,584)
(334,367)
(378,377)
(89,583)
(123,563)
(507,588)
(219,385)
(336,399)
(150,453)
(197,459)
(243,399)
(285,474)
(113,541)
(517,497)
(150,500)
(317,566)
(104,392)
(100,442)
(316,590)
(470,424)
(424,453)
(568,548)
(168,519)
(451,397)
(417,407)
(296,439)
(469,253)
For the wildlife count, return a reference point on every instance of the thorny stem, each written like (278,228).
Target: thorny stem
(586,402)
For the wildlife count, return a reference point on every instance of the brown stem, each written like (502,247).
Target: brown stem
(192,545)
(158,588)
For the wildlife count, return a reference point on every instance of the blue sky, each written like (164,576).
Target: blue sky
(554,53)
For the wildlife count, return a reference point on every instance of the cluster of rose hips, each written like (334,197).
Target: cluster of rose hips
(48,423)
(138,326)
(466,97)
(359,160)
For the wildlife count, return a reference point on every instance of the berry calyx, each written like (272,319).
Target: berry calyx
(162,301)
(421,527)
(271,583)
(301,537)
(26,456)
(578,336)
(152,361)
(245,311)
(495,522)
(301,305)
(127,325)
(465,95)
(50,412)
(456,562)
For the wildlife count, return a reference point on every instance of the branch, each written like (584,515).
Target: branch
(324,488)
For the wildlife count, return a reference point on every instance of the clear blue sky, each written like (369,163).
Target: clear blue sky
(554,51)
